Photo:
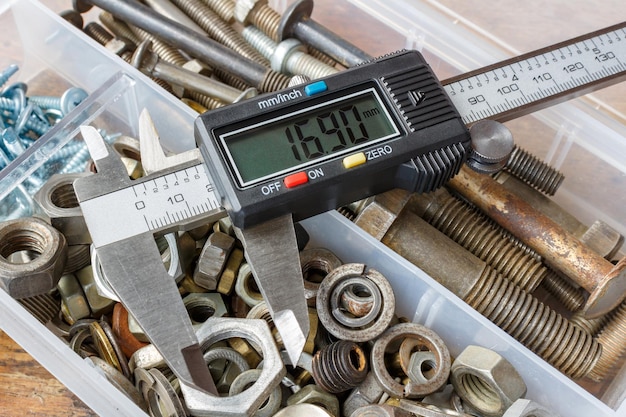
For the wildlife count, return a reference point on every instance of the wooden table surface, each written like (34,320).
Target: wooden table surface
(27,389)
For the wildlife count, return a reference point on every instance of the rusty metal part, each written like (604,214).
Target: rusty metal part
(486,380)
(47,253)
(340,323)
(476,233)
(428,340)
(533,171)
(613,341)
(605,282)
(542,330)
(316,264)
(600,237)
(571,297)
(339,366)
(127,341)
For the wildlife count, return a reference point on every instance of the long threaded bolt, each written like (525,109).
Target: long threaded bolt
(472,230)
(288,57)
(613,341)
(218,29)
(534,171)
(605,282)
(7,73)
(225,9)
(68,101)
(117,27)
(564,345)
(197,45)
(570,297)
(591,326)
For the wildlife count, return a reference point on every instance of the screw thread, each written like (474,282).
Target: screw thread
(479,235)
(7,73)
(301,63)
(46,102)
(274,81)
(569,296)
(39,127)
(259,41)
(561,343)
(533,171)
(613,341)
(44,307)
(165,51)
(321,56)
(218,29)
(117,27)
(266,19)
(223,8)
(7,104)
(339,366)
(231,79)
(77,162)
(347,213)
(98,33)
(591,326)
(208,102)
(66,151)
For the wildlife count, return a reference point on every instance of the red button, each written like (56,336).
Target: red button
(296,179)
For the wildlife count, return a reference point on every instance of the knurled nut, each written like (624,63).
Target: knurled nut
(244,7)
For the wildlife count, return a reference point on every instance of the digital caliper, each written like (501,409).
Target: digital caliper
(288,155)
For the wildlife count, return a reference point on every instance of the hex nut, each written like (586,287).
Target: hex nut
(213,259)
(201,306)
(369,392)
(419,361)
(304,409)
(98,304)
(58,205)
(40,274)
(313,394)
(244,286)
(226,283)
(74,305)
(244,7)
(487,381)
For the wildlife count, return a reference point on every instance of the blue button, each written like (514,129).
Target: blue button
(315,88)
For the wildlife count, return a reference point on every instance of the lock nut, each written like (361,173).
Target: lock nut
(487,381)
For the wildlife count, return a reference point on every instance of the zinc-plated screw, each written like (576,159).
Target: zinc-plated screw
(534,171)
(605,282)
(288,56)
(14,98)
(68,101)
(545,332)
(7,73)
(218,29)
(31,118)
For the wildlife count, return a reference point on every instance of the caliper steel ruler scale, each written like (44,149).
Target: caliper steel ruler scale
(288,155)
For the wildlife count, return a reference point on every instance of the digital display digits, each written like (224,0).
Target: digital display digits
(303,138)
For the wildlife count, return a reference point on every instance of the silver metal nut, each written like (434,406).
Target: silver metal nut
(40,274)
(58,205)
(421,360)
(487,381)
(309,410)
(369,392)
(201,403)
(271,406)
(243,9)
(312,394)
(244,288)
(201,306)
(382,410)
(212,260)
(528,408)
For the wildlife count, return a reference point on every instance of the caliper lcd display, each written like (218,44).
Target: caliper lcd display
(309,136)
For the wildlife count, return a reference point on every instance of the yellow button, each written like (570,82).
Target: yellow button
(354,160)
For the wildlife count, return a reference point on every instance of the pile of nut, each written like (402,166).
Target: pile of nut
(360,359)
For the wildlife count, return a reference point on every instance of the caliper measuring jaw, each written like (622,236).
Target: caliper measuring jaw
(130,259)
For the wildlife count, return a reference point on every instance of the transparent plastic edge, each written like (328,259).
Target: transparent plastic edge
(333,231)
(76,374)
(33,158)
(466,51)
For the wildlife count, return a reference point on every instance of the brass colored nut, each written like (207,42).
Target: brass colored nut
(226,284)
(74,305)
(312,394)
(487,381)
(136,330)
(127,147)
(58,205)
(98,304)
(134,169)
(246,287)
(243,347)
(213,259)
(38,275)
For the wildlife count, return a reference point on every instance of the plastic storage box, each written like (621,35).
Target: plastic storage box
(571,136)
